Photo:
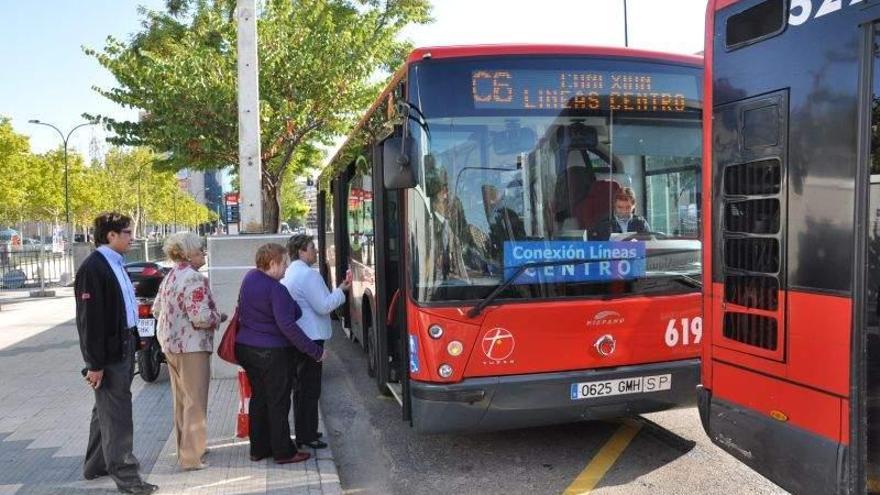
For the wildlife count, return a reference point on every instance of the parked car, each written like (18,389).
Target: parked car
(146,277)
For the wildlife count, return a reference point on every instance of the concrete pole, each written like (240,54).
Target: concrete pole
(250,168)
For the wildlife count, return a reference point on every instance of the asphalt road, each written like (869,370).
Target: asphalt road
(377,452)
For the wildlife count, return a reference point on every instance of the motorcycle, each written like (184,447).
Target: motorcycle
(148,354)
(146,278)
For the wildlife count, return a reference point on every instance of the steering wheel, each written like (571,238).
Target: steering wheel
(649,236)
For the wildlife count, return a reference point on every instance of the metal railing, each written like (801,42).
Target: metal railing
(29,266)
(32,266)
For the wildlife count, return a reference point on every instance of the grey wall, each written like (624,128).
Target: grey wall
(229,258)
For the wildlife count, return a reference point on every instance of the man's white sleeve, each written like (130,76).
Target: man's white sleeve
(320,299)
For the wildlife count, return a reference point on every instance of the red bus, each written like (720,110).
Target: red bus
(790,351)
(495,287)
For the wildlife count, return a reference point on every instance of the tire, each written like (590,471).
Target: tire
(371,350)
(149,361)
(377,361)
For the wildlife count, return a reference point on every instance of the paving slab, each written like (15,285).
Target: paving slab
(45,411)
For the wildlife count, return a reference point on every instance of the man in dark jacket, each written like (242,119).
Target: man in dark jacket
(106,317)
(624,220)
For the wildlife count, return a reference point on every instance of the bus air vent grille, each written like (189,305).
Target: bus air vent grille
(760,216)
(754,254)
(758,177)
(756,292)
(754,330)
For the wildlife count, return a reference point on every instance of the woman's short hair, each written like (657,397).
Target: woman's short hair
(297,243)
(267,253)
(179,246)
(109,222)
(626,194)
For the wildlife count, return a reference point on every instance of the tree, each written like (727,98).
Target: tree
(135,187)
(318,59)
(293,203)
(14,155)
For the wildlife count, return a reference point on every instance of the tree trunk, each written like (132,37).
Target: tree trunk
(271,206)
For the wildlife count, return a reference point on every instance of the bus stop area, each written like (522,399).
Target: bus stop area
(43,436)
(45,410)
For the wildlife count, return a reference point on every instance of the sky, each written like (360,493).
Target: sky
(45,75)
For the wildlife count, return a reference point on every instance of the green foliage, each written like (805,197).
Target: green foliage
(292,197)
(317,59)
(32,186)
(14,154)
(147,194)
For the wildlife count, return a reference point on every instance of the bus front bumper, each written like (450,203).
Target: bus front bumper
(518,401)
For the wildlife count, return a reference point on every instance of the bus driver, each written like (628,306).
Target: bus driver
(625,218)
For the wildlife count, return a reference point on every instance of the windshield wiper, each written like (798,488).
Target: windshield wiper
(476,310)
(684,279)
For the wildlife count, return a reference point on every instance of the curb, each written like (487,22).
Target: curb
(327,471)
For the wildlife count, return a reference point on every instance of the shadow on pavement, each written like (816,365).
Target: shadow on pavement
(45,411)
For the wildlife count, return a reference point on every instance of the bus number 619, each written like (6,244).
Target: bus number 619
(690,327)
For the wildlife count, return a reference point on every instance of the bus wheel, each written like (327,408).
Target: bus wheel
(370,348)
(377,360)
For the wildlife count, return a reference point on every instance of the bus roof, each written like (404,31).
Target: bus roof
(439,52)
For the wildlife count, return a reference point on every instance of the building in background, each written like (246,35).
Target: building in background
(206,187)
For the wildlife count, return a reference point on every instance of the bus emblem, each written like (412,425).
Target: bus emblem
(498,344)
(605,318)
(605,345)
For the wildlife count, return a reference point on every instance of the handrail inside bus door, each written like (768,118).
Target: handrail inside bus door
(389,320)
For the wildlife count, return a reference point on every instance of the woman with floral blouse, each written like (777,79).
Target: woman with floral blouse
(186,320)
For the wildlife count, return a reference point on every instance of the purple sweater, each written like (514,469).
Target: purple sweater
(267,316)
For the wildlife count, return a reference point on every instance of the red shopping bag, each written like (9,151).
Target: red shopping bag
(244,396)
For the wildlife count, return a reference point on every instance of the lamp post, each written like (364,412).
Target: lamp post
(64,139)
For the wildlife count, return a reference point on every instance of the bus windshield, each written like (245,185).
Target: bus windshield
(539,159)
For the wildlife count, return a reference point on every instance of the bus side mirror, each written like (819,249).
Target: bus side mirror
(397,170)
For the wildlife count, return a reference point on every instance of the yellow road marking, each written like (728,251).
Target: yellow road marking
(602,462)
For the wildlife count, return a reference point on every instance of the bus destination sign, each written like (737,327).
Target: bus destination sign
(590,90)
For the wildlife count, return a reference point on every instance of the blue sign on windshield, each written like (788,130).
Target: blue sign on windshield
(609,260)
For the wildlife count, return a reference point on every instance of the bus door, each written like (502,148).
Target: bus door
(339,188)
(325,227)
(790,277)
(392,370)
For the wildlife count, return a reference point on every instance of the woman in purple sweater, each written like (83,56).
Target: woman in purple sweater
(264,346)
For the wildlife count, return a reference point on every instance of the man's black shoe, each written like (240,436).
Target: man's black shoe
(143,488)
(94,476)
(315,444)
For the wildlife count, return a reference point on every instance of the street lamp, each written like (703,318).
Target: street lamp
(64,139)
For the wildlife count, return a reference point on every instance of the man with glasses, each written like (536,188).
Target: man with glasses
(106,319)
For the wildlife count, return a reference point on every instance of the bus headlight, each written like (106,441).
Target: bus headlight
(454,348)
(445,370)
(435,331)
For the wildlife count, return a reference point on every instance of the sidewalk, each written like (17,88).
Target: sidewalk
(45,410)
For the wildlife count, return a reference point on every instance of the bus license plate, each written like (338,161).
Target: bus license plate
(622,386)
(147,327)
